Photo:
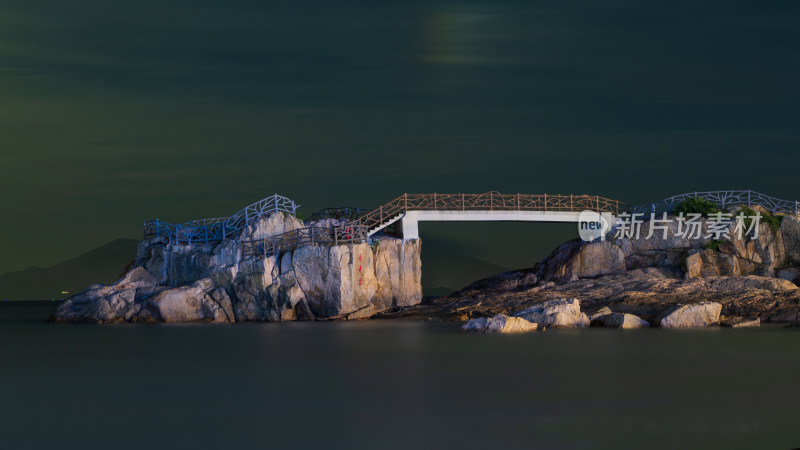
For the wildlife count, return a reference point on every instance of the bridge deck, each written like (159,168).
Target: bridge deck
(410,220)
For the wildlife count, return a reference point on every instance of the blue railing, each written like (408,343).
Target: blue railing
(723,199)
(219,228)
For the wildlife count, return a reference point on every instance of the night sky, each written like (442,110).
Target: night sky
(114,112)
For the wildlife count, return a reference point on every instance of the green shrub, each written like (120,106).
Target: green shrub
(713,245)
(774,222)
(695,205)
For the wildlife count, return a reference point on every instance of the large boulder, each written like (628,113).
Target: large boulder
(703,314)
(565,313)
(500,323)
(598,258)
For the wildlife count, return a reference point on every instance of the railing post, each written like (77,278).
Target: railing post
(463,204)
(545,202)
(380,216)
(571,207)
(491,201)
(518,201)
(311,234)
(206,233)
(434,201)
(748,197)
(405,201)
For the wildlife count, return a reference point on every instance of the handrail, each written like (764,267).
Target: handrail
(301,237)
(492,201)
(723,199)
(366,223)
(219,228)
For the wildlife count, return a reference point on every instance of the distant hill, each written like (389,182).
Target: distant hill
(101,265)
(445,269)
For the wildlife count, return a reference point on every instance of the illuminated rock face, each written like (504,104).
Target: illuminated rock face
(212,283)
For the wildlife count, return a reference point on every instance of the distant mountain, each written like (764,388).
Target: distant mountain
(101,265)
(445,269)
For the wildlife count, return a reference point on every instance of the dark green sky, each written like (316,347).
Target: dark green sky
(114,112)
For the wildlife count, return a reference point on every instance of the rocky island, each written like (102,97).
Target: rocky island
(216,282)
(665,280)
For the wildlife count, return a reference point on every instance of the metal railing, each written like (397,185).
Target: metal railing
(220,228)
(359,229)
(302,237)
(723,199)
(488,201)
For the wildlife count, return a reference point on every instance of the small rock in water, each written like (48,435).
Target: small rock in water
(564,313)
(623,320)
(740,322)
(500,323)
(703,314)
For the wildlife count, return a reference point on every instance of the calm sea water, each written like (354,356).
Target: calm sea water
(391,384)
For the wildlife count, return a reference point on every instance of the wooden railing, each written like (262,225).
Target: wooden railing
(358,230)
(488,201)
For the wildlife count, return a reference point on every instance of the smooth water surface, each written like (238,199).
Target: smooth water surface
(391,384)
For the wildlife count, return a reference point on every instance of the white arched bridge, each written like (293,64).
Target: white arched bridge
(402,215)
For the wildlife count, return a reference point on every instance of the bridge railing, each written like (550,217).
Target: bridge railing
(219,228)
(491,201)
(358,230)
(301,237)
(723,199)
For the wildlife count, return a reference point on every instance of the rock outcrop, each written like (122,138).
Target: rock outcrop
(649,278)
(212,283)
